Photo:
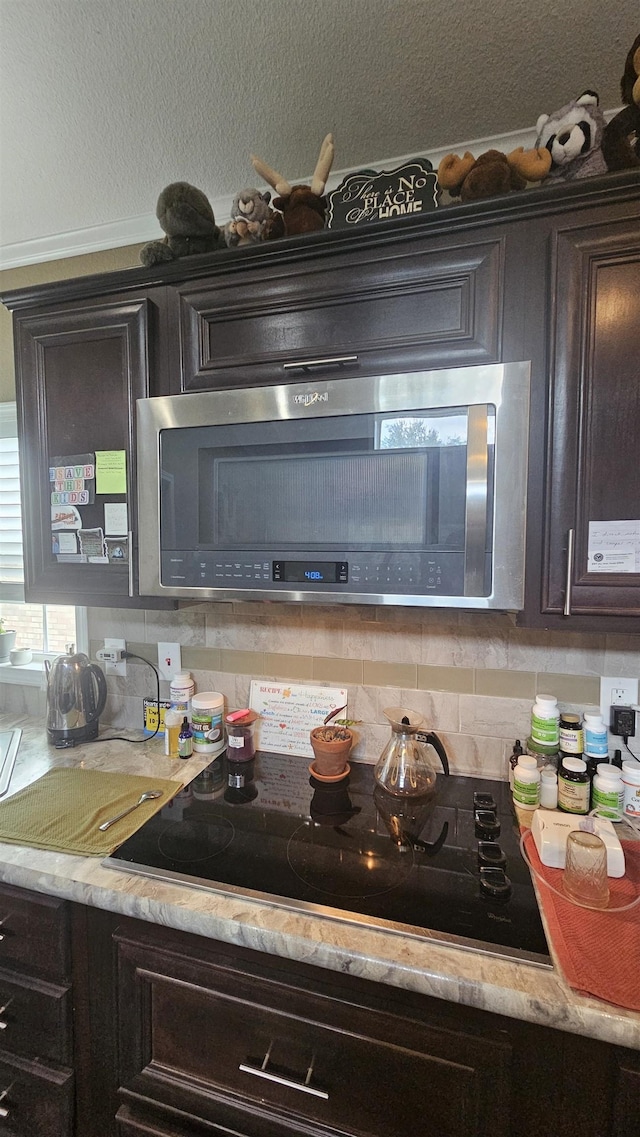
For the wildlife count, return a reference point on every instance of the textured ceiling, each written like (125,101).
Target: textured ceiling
(103,102)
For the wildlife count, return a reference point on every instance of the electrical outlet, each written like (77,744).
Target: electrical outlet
(617,693)
(168,660)
(116,668)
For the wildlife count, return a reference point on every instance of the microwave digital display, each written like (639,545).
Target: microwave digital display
(318,572)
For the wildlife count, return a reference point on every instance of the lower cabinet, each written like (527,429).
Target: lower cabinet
(37,1079)
(128,1029)
(220,1040)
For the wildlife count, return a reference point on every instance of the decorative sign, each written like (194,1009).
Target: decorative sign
(288,711)
(371,196)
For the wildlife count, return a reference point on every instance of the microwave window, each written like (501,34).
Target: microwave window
(367,482)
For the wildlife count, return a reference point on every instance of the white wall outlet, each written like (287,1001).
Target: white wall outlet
(617,693)
(168,660)
(116,668)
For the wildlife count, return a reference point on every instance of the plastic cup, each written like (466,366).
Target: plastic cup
(585,873)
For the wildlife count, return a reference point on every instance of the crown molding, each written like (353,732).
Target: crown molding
(144,227)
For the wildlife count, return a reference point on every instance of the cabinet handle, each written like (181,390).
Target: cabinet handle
(328,361)
(4,1112)
(130,543)
(566,611)
(291,1083)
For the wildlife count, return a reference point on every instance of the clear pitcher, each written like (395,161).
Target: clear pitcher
(404,767)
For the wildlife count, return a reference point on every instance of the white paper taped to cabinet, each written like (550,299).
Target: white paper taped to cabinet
(550,831)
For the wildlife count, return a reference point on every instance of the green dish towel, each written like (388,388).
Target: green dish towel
(63,810)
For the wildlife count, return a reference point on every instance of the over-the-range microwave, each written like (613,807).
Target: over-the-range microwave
(396,489)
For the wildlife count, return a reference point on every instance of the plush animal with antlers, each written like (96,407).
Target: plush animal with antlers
(302,208)
(492,173)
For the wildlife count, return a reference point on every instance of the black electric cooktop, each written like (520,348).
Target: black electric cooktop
(449,868)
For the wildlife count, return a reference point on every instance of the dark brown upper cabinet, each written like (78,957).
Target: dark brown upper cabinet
(592,270)
(550,275)
(80,369)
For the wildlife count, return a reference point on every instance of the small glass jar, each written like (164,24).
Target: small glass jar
(240,741)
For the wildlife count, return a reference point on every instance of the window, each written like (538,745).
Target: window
(46,629)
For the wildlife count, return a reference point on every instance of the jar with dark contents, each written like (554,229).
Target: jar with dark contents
(241,752)
(574,786)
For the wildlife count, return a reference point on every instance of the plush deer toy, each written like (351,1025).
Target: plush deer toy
(302,208)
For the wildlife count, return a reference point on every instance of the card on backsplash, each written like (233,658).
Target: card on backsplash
(289,711)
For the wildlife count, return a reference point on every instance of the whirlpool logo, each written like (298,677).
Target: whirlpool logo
(312,397)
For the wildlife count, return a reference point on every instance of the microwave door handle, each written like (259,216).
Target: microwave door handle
(477,499)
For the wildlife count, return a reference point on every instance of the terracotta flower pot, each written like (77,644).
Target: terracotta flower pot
(331,748)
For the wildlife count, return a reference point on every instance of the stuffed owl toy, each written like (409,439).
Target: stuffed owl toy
(573,137)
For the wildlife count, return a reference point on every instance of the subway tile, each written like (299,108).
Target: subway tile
(186,626)
(622,656)
(570,688)
(380,674)
(244,662)
(475,755)
(288,666)
(494,717)
(566,653)
(505,684)
(439,709)
(329,670)
(201,658)
(459,679)
(464,646)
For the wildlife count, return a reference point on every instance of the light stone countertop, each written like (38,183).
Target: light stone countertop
(476,979)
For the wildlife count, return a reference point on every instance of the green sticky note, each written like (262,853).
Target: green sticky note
(111,471)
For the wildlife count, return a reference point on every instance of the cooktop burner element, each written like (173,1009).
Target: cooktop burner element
(447,867)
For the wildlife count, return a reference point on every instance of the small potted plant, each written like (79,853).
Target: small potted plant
(7,642)
(331,744)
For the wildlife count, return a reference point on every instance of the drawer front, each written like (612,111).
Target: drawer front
(35,1101)
(426,307)
(35,1019)
(198,1037)
(33,933)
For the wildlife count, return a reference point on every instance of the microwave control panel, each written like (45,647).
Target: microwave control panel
(412,574)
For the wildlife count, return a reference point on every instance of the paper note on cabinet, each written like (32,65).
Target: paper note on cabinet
(614,546)
(111,471)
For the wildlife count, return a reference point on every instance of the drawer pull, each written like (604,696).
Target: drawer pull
(328,361)
(291,1083)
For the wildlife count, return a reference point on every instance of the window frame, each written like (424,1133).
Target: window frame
(12,592)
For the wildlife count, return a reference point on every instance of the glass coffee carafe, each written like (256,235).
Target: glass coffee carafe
(404,768)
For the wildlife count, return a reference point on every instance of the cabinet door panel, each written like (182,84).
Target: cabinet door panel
(35,1018)
(411,306)
(33,933)
(38,1100)
(594,473)
(202,1039)
(80,372)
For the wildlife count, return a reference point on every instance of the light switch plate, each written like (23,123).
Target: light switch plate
(169,660)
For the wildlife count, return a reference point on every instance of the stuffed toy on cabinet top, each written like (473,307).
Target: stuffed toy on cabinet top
(250,213)
(302,208)
(621,140)
(491,173)
(573,137)
(186,217)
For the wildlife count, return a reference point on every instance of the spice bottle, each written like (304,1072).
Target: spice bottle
(574,789)
(596,741)
(548,787)
(544,721)
(172,723)
(185,740)
(571,734)
(526,783)
(607,792)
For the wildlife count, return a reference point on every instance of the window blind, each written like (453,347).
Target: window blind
(11,556)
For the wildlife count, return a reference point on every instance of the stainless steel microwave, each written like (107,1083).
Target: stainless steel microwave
(396,489)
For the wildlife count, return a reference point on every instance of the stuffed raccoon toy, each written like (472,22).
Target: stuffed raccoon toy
(573,137)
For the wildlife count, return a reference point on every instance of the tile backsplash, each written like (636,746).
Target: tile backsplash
(472,675)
